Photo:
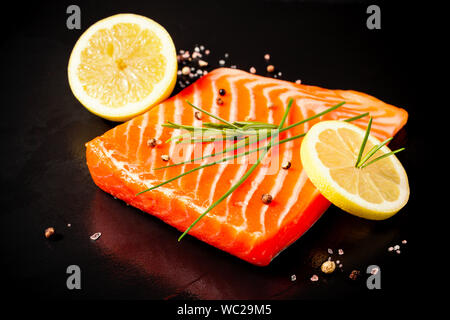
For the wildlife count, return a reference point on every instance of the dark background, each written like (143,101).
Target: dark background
(45,181)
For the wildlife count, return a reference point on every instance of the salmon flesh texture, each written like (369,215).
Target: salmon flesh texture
(121,162)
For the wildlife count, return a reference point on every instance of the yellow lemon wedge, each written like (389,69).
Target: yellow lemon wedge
(329,153)
(122,66)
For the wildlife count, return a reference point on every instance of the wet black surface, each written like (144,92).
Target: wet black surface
(46,182)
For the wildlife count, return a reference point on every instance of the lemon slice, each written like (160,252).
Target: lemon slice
(122,66)
(329,152)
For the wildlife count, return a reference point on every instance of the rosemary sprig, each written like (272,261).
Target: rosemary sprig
(238,129)
(244,177)
(362,162)
(245,142)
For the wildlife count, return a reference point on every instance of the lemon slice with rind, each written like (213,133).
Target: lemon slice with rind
(329,152)
(122,66)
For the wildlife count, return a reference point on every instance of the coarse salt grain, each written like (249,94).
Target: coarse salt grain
(390,249)
(396,247)
(314,278)
(95,236)
(330,251)
(267,56)
(293,277)
(340,252)
(202,63)
(404,242)
(252,70)
(222,62)
(298,81)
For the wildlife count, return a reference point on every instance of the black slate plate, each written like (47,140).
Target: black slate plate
(46,182)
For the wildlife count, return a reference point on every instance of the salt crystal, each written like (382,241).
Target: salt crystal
(222,62)
(341,252)
(330,251)
(96,235)
(404,242)
(314,278)
(293,277)
(252,70)
(298,81)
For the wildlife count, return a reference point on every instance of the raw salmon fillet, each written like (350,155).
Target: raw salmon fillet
(121,162)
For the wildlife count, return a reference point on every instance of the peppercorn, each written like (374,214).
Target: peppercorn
(222,92)
(198,115)
(266,198)
(286,165)
(328,267)
(152,142)
(49,232)
(354,275)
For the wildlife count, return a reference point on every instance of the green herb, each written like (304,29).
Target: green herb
(363,144)
(245,142)
(362,162)
(244,177)
(247,131)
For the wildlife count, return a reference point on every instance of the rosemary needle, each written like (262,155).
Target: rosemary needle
(373,151)
(213,116)
(363,144)
(382,157)
(362,163)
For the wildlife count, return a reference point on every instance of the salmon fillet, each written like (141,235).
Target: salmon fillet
(121,162)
